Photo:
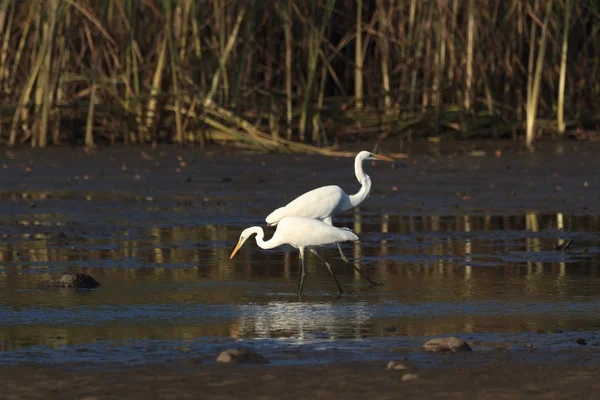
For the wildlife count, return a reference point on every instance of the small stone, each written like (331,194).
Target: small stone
(408,377)
(79,281)
(581,341)
(451,343)
(397,367)
(241,355)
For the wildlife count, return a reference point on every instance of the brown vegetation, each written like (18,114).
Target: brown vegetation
(278,75)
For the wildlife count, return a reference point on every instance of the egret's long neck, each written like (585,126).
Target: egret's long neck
(269,244)
(365,182)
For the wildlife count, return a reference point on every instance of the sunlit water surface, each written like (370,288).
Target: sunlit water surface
(170,291)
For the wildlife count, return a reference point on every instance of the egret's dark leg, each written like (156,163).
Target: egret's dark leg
(342,254)
(299,269)
(329,221)
(329,268)
(302,273)
(364,275)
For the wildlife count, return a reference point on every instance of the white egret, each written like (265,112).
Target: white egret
(301,233)
(322,203)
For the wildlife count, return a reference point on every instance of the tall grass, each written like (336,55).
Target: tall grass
(282,75)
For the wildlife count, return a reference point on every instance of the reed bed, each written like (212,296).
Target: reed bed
(295,75)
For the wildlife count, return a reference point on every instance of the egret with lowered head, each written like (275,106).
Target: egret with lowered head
(322,203)
(301,233)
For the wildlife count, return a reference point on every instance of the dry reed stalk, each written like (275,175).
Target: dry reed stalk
(208,101)
(89,126)
(287,22)
(451,44)
(46,90)
(243,70)
(358,58)
(58,78)
(530,61)
(3,12)
(385,53)
(416,57)
(440,55)
(184,14)
(21,46)
(21,109)
(427,62)
(560,119)
(170,28)
(318,135)
(469,61)
(315,36)
(535,86)
(5,40)
(155,90)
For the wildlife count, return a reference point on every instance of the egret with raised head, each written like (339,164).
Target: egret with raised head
(322,203)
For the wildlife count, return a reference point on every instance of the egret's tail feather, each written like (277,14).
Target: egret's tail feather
(347,235)
(275,216)
(350,236)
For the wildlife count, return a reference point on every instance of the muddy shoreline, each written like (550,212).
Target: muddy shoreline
(496,178)
(472,375)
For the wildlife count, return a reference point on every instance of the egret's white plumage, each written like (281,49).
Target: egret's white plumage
(301,233)
(298,232)
(322,203)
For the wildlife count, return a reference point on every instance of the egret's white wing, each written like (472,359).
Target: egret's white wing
(318,203)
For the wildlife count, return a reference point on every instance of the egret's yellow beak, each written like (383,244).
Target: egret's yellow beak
(382,158)
(237,247)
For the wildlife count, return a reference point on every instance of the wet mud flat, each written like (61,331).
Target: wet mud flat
(497,177)
(454,376)
(467,239)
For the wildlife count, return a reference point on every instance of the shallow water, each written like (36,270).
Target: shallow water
(160,247)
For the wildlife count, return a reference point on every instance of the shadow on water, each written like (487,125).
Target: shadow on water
(168,286)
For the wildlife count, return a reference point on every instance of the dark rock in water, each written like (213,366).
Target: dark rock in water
(79,281)
(581,341)
(241,355)
(451,343)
